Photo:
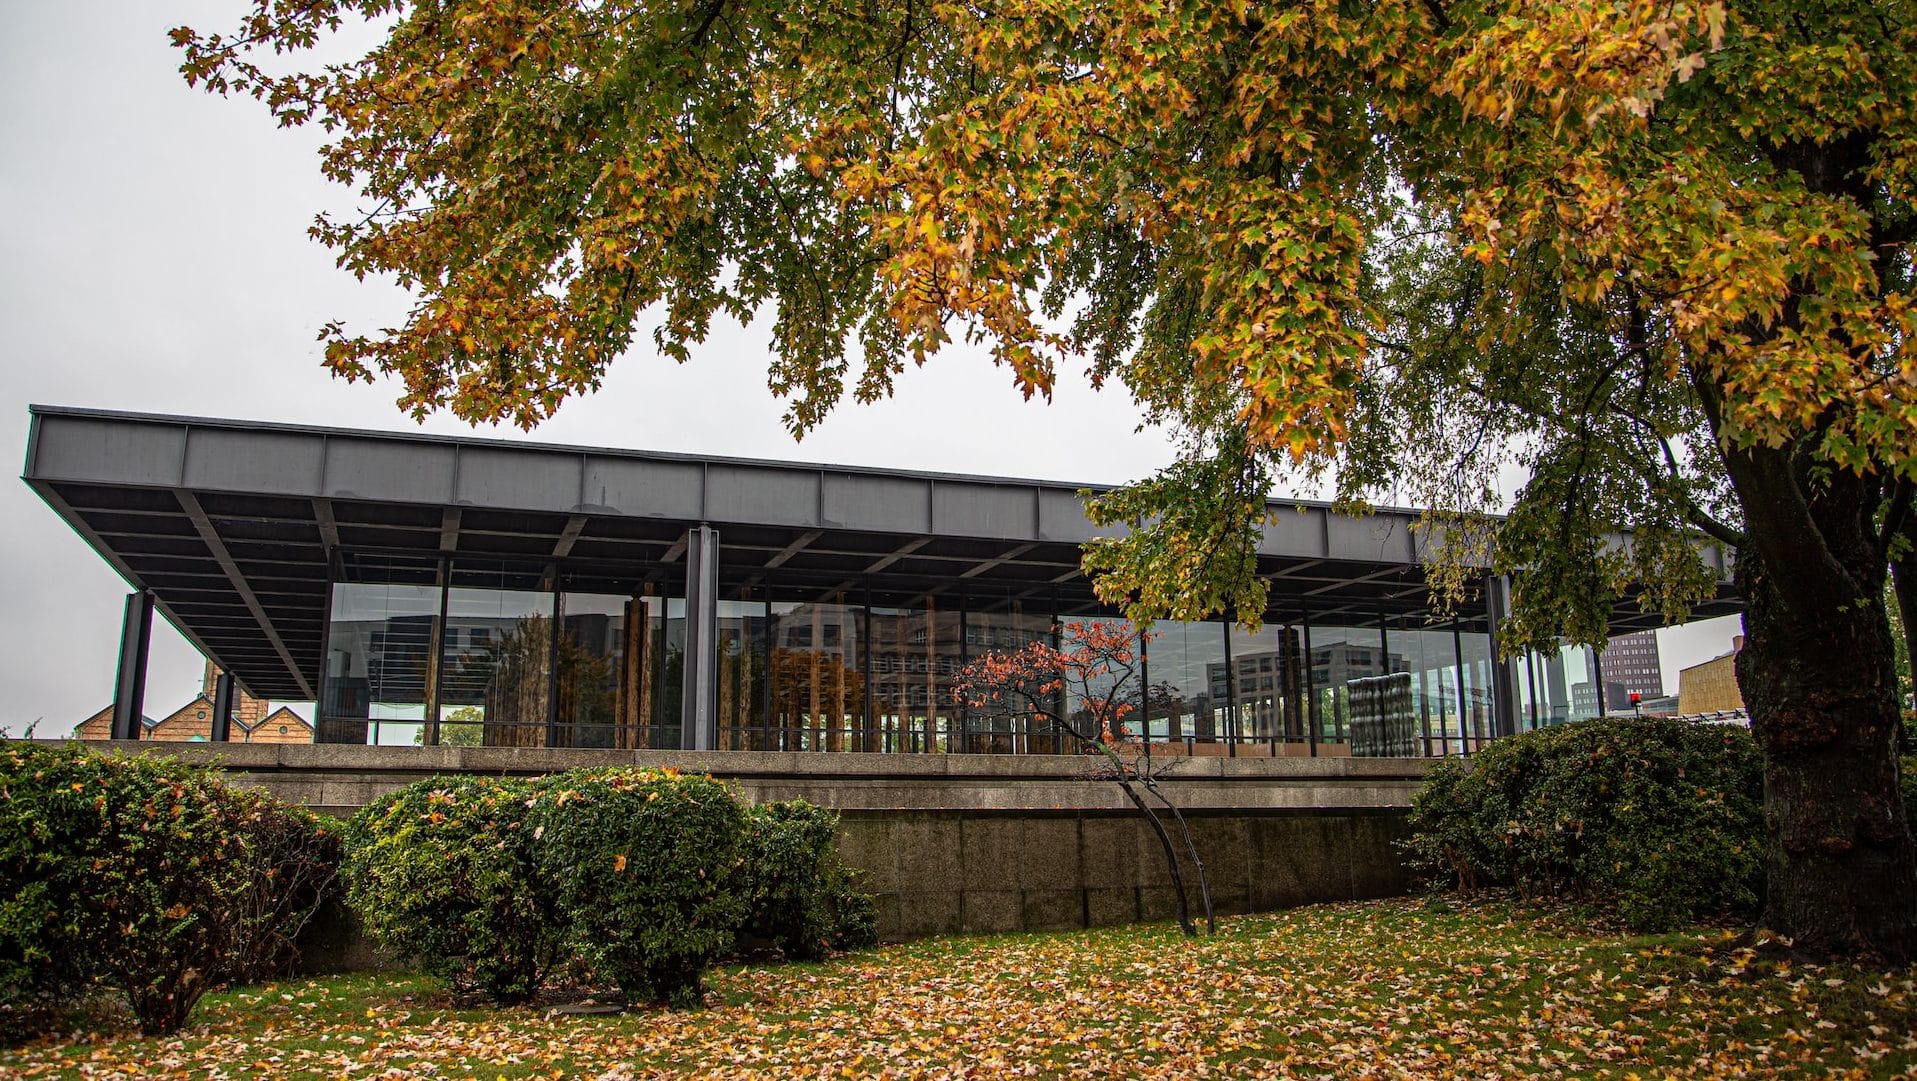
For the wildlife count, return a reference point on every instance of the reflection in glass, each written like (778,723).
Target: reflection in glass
(818,681)
(1474,650)
(1341,657)
(742,625)
(498,651)
(916,652)
(1429,656)
(1189,694)
(378,643)
(1267,671)
(600,672)
(1005,626)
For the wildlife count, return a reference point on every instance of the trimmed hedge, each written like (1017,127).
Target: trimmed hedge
(144,874)
(1659,818)
(646,865)
(799,893)
(441,872)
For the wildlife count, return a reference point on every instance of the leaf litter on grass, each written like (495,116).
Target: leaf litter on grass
(1385,989)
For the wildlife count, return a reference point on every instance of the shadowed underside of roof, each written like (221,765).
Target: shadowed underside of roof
(238,528)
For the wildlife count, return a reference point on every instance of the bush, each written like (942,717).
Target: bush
(1661,819)
(645,863)
(143,873)
(799,894)
(442,874)
(294,871)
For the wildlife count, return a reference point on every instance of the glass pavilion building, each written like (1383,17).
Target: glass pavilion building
(438,590)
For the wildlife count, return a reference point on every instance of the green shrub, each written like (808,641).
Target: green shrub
(645,863)
(799,894)
(141,873)
(442,873)
(1660,818)
(294,863)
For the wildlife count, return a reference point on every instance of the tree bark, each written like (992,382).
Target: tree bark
(1818,677)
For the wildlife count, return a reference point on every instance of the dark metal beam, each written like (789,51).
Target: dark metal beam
(897,554)
(194,512)
(790,550)
(1007,557)
(568,536)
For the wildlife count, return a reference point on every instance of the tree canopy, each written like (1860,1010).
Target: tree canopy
(1654,257)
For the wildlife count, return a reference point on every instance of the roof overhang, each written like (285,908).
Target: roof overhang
(237,528)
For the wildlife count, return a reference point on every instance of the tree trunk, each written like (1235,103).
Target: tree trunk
(1818,678)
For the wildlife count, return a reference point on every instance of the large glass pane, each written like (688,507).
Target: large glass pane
(1479,698)
(1003,625)
(379,643)
(818,680)
(1265,672)
(1428,655)
(497,669)
(1348,665)
(915,654)
(1188,700)
(600,671)
(664,659)
(1566,685)
(743,650)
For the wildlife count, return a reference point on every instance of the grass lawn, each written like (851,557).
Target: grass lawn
(1402,988)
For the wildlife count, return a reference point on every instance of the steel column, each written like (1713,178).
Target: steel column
(222,708)
(129,684)
(699,713)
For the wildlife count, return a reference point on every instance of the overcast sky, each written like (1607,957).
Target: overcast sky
(155,258)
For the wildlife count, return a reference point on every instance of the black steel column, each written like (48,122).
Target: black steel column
(129,683)
(552,667)
(1597,676)
(1504,694)
(1309,714)
(699,712)
(222,708)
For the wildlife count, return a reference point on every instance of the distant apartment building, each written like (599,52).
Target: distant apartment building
(1631,660)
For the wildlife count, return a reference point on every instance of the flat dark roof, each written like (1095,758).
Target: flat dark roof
(237,526)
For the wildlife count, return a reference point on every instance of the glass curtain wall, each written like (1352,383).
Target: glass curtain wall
(916,653)
(496,666)
(1349,669)
(378,651)
(1004,626)
(1427,657)
(818,679)
(506,654)
(1188,702)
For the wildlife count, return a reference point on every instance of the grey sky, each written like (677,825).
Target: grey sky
(155,258)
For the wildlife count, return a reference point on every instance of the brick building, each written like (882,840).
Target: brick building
(254,720)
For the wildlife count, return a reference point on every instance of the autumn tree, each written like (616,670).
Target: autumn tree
(1086,688)
(1653,256)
